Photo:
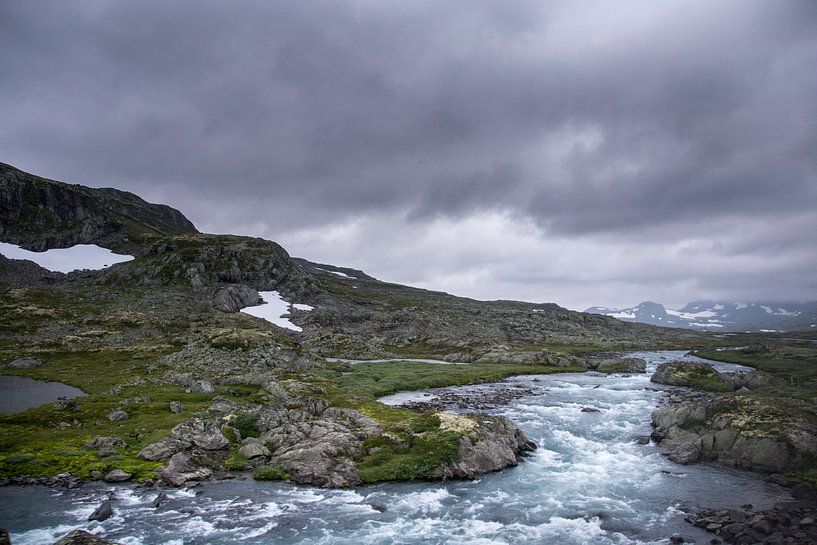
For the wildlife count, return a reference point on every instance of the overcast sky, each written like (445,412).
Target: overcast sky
(583,153)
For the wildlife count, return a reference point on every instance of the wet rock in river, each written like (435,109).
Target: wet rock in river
(103,512)
(81,537)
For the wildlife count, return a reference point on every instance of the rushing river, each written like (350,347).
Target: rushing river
(589,482)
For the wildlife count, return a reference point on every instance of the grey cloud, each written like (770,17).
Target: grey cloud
(618,120)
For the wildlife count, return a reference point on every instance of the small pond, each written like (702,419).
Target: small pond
(18,394)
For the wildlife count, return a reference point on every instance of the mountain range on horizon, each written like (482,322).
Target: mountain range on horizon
(720,315)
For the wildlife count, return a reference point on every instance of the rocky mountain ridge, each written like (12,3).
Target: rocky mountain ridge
(721,316)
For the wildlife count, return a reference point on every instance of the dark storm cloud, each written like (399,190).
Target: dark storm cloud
(599,119)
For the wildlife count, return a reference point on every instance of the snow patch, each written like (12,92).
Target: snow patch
(338,273)
(273,310)
(65,260)
(624,314)
(697,324)
(301,306)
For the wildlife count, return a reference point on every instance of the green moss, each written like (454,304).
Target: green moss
(236,462)
(245,423)
(416,460)
(270,473)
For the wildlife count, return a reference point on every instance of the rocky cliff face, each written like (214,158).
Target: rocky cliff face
(38,214)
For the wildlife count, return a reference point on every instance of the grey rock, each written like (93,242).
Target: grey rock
(159,499)
(590,410)
(105,446)
(103,512)
(162,450)
(118,415)
(81,537)
(254,450)
(234,298)
(26,363)
(205,435)
(379,506)
(176,407)
(4,537)
(117,476)
(499,444)
(622,365)
(181,471)
(676,373)
(63,404)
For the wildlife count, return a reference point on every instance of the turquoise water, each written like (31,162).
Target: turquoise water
(589,482)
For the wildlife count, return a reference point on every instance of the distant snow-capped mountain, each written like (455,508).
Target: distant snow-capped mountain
(720,316)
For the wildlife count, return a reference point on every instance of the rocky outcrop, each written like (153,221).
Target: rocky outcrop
(786,522)
(759,434)
(182,470)
(688,373)
(81,537)
(620,365)
(316,444)
(39,214)
(26,363)
(234,298)
(491,444)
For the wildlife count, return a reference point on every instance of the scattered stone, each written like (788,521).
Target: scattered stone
(116,476)
(176,407)
(26,363)
(118,415)
(103,512)
(643,440)
(676,539)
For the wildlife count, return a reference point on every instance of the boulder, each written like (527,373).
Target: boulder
(493,443)
(162,450)
(105,446)
(176,407)
(206,435)
(103,512)
(117,476)
(118,415)
(688,373)
(181,471)
(159,499)
(254,450)
(26,363)
(622,365)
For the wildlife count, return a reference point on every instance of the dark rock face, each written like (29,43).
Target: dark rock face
(759,434)
(234,298)
(39,214)
(81,537)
